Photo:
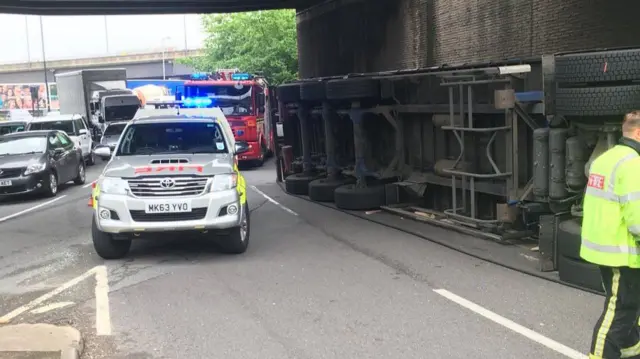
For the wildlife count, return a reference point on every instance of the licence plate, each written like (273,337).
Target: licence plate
(5,183)
(167,207)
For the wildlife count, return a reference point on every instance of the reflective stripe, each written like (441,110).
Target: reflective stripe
(621,249)
(612,179)
(610,196)
(631,351)
(634,229)
(601,337)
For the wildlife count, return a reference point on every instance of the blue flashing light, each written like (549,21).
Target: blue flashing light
(197,102)
(200,76)
(240,77)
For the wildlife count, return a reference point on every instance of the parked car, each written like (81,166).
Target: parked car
(38,161)
(111,135)
(74,126)
(12,126)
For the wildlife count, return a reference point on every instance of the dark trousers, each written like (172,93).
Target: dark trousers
(617,332)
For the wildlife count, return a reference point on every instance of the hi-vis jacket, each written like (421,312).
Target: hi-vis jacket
(611,209)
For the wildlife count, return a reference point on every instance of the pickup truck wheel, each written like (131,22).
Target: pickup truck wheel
(353,198)
(298,184)
(81,177)
(322,189)
(237,240)
(106,246)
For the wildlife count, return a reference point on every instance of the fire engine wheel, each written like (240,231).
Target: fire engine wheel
(597,101)
(621,65)
(313,91)
(353,198)
(298,184)
(353,89)
(322,189)
(289,93)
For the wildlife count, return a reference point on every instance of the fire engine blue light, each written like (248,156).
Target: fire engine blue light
(197,102)
(240,77)
(200,76)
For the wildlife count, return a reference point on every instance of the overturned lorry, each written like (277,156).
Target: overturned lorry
(498,151)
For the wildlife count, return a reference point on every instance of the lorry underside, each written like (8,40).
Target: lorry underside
(497,151)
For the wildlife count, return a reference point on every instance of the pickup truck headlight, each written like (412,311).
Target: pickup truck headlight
(223,182)
(35,168)
(112,185)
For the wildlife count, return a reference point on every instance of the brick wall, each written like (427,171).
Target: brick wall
(345,36)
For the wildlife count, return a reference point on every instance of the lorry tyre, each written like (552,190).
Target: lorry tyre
(580,273)
(353,198)
(106,246)
(298,184)
(353,89)
(289,93)
(569,239)
(597,101)
(236,241)
(313,91)
(322,189)
(598,67)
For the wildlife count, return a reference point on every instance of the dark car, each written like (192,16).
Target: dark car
(38,161)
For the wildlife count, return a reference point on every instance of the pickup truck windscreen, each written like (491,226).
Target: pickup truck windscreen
(172,138)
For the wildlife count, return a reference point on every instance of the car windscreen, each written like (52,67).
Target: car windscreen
(172,138)
(114,130)
(11,128)
(63,125)
(22,145)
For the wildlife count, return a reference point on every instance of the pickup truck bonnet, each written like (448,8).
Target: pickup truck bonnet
(169,165)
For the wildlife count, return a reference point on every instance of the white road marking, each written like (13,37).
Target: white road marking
(273,201)
(88,184)
(36,302)
(30,209)
(50,307)
(103,315)
(526,332)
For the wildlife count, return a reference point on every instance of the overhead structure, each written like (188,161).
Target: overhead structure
(125,7)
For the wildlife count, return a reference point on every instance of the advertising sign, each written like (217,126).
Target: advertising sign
(18,96)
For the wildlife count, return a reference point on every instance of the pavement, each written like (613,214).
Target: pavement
(315,283)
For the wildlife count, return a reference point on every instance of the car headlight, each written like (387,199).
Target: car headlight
(112,185)
(223,182)
(35,168)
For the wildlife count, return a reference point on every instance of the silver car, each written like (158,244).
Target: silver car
(112,134)
(171,173)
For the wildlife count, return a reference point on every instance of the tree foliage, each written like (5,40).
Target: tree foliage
(261,41)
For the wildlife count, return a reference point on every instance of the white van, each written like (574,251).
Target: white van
(74,126)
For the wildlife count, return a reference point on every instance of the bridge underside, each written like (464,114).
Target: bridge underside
(125,7)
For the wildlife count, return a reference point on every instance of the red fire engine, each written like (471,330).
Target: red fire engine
(242,97)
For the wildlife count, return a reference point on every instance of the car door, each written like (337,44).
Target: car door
(83,135)
(59,160)
(71,156)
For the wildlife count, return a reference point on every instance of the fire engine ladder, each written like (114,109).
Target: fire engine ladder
(467,213)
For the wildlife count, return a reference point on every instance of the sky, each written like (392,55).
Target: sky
(70,37)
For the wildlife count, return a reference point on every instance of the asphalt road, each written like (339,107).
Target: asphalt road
(315,283)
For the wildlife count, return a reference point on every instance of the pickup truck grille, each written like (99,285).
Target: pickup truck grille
(153,186)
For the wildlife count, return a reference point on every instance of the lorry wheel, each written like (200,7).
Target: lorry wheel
(569,239)
(580,273)
(322,189)
(354,198)
(289,93)
(597,101)
(589,67)
(353,89)
(313,91)
(237,240)
(298,184)
(106,246)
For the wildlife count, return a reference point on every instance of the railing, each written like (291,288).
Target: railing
(100,61)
